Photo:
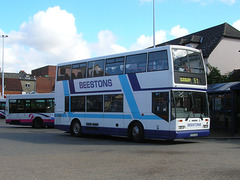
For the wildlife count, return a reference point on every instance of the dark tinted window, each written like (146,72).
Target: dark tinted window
(78,103)
(136,63)
(157,61)
(160,104)
(79,71)
(96,68)
(64,73)
(113,103)
(95,103)
(114,66)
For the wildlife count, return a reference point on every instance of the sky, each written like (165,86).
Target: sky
(48,32)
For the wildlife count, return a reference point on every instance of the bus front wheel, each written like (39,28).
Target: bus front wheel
(136,132)
(76,128)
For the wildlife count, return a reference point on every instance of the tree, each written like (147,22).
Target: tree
(214,76)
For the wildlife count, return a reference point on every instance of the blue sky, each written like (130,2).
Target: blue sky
(47,32)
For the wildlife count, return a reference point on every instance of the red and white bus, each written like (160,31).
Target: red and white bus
(36,110)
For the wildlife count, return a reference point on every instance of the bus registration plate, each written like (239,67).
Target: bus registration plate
(194,135)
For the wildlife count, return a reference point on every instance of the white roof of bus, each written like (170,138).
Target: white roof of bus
(128,53)
(30,96)
(2,100)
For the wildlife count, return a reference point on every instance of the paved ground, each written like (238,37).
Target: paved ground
(27,153)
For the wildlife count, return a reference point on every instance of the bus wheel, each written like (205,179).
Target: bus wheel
(136,132)
(76,128)
(37,123)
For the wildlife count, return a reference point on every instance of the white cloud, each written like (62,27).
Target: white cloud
(228,2)
(237,24)
(49,37)
(205,2)
(177,31)
(106,44)
(147,41)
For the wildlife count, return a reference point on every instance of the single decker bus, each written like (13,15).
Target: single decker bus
(36,110)
(152,93)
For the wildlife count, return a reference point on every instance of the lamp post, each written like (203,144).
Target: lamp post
(3,36)
(154,24)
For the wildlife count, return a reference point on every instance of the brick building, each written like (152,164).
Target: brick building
(12,86)
(45,79)
(46,71)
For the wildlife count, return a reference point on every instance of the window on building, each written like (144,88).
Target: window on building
(27,85)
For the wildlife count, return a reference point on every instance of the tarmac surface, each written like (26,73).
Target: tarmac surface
(36,154)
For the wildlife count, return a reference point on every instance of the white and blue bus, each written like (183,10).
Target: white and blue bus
(36,110)
(152,93)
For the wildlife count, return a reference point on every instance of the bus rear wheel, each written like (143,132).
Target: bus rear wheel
(37,123)
(136,132)
(76,129)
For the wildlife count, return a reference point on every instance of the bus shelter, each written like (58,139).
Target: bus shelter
(224,105)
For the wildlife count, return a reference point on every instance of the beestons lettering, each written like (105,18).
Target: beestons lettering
(95,84)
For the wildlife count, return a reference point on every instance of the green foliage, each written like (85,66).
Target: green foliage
(214,75)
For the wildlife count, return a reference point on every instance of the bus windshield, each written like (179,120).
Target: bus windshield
(189,104)
(187,61)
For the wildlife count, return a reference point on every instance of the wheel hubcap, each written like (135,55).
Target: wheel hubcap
(135,130)
(76,128)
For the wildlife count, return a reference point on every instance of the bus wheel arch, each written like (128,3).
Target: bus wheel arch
(76,128)
(136,131)
(37,123)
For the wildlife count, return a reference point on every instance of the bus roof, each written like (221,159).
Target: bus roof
(30,96)
(129,53)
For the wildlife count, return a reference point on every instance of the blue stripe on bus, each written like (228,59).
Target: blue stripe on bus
(108,116)
(134,82)
(132,102)
(65,88)
(129,96)
(71,86)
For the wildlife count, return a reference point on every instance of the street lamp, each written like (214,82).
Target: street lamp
(154,24)
(3,36)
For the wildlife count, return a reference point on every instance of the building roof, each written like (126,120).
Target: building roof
(223,87)
(235,75)
(207,39)
(20,75)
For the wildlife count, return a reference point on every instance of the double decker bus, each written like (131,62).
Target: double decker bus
(2,108)
(36,110)
(152,93)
